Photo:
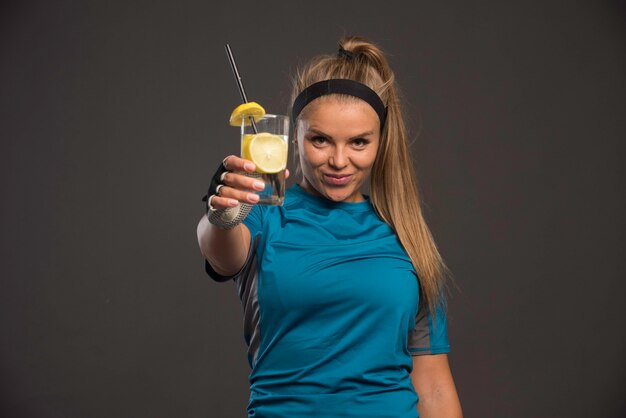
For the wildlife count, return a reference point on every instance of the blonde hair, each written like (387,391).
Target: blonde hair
(393,185)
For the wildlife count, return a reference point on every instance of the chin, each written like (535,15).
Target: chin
(336,197)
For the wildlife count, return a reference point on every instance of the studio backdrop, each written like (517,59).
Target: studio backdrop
(113,116)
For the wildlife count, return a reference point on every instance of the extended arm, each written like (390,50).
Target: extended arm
(435,387)
(226,249)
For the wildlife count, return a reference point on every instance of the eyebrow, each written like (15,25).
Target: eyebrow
(318,132)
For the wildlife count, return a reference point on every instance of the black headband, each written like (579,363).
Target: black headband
(339,86)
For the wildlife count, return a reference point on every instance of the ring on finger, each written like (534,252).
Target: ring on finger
(209,205)
(217,189)
(223,175)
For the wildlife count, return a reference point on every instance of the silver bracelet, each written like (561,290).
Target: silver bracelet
(229,218)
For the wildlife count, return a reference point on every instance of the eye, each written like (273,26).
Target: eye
(318,140)
(360,142)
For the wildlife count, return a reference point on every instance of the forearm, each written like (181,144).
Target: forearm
(225,249)
(439,404)
(435,387)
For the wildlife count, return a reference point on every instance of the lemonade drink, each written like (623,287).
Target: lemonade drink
(267,149)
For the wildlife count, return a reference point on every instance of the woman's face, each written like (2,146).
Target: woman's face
(337,141)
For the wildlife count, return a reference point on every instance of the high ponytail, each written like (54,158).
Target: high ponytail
(394,191)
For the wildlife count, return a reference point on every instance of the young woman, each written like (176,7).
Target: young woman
(342,292)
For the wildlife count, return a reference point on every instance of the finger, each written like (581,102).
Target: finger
(241,182)
(219,202)
(227,192)
(286,174)
(234,163)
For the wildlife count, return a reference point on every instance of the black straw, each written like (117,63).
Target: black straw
(242,91)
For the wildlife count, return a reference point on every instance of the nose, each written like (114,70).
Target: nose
(338,158)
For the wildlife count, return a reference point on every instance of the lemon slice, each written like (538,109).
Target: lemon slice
(267,151)
(244,111)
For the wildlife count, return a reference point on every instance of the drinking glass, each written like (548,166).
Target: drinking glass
(264,141)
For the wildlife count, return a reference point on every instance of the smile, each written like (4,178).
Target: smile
(337,180)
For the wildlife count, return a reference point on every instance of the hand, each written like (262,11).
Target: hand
(234,187)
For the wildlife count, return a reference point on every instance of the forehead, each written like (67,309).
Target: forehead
(339,112)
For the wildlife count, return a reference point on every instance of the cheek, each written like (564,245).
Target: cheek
(311,156)
(365,160)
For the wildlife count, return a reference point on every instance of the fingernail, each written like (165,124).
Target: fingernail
(259,185)
(248,166)
(253,197)
(232,202)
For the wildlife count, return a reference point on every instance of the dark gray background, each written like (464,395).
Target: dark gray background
(113,115)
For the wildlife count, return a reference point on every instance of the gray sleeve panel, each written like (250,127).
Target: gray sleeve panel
(246,281)
(419,337)
(247,287)
(430,335)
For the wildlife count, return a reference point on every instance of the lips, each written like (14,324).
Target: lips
(337,179)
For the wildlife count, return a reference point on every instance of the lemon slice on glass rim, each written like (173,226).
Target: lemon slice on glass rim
(268,152)
(244,111)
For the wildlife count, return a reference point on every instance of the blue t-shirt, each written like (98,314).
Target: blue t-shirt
(331,312)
